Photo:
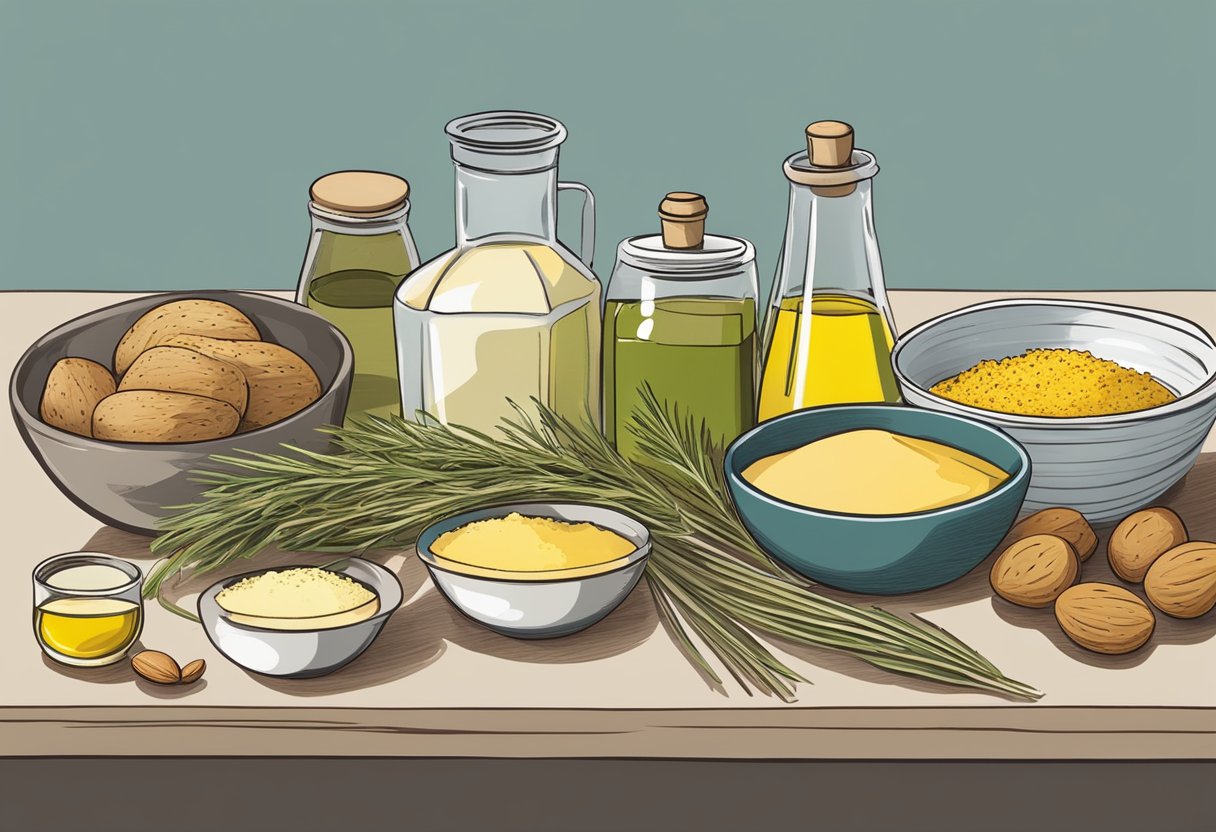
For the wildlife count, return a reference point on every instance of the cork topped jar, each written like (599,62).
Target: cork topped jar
(359,250)
(680,320)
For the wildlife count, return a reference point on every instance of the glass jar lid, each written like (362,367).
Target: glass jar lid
(718,255)
(360,193)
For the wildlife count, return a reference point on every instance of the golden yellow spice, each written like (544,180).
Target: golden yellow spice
(518,543)
(1054,382)
(874,472)
(298,598)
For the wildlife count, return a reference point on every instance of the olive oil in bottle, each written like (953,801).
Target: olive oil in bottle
(840,353)
(681,319)
(360,303)
(359,252)
(698,354)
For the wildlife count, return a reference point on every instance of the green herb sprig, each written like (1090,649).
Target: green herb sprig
(393,477)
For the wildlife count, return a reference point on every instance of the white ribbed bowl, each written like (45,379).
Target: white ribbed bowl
(1103,466)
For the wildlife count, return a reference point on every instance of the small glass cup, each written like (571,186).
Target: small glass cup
(88,609)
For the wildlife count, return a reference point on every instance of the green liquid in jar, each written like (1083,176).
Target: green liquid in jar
(359,302)
(696,353)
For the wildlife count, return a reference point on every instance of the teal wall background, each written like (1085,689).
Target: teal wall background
(1027,145)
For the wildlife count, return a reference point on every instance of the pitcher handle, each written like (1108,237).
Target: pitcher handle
(586,250)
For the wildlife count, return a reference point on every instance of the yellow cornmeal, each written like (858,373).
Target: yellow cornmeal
(874,472)
(299,593)
(517,543)
(1054,382)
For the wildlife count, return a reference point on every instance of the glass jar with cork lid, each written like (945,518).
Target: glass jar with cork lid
(359,250)
(680,316)
(828,333)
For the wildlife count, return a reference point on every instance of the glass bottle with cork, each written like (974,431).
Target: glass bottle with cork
(828,333)
(359,250)
(680,317)
(510,316)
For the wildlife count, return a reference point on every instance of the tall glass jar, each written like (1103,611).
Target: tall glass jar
(680,317)
(509,316)
(828,333)
(359,250)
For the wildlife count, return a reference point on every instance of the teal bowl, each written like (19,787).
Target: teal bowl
(878,554)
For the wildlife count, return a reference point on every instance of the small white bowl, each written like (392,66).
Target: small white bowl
(539,607)
(1103,466)
(299,654)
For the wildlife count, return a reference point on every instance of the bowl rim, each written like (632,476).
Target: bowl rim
(422,547)
(33,421)
(1015,479)
(1194,399)
(385,574)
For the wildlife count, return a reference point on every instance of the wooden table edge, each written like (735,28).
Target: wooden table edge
(975,733)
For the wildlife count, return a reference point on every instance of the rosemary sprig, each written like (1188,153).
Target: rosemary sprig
(710,580)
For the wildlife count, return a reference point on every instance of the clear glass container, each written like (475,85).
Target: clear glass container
(680,316)
(87,608)
(359,250)
(828,332)
(509,315)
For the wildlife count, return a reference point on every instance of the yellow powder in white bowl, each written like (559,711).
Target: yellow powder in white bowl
(300,598)
(518,543)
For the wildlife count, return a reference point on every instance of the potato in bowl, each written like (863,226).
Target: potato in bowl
(127,483)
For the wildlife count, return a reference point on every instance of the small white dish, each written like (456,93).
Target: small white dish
(300,653)
(540,605)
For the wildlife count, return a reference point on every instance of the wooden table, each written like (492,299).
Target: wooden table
(437,686)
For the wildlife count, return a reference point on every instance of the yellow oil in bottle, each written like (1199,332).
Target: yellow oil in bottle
(89,630)
(838,354)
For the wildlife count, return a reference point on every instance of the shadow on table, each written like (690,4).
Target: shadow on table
(418,633)
(121,672)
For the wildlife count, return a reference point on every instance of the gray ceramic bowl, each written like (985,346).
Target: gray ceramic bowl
(128,484)
(1104,466)
(888,554)
(299,654)
(556,606)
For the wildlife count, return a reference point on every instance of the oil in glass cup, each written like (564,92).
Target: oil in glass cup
(87,608)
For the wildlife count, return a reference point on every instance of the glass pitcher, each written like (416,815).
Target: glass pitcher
(509,315)
(359,250)
(680,317)
(828,333)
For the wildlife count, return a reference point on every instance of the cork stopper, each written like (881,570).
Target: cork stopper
(683,216)
(829,144)
(360,193)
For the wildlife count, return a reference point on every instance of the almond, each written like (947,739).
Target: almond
(1067,523)
(1182,582)
(1142,537)
(1033,571)
(1104,618)
(193,671)
(156,666)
